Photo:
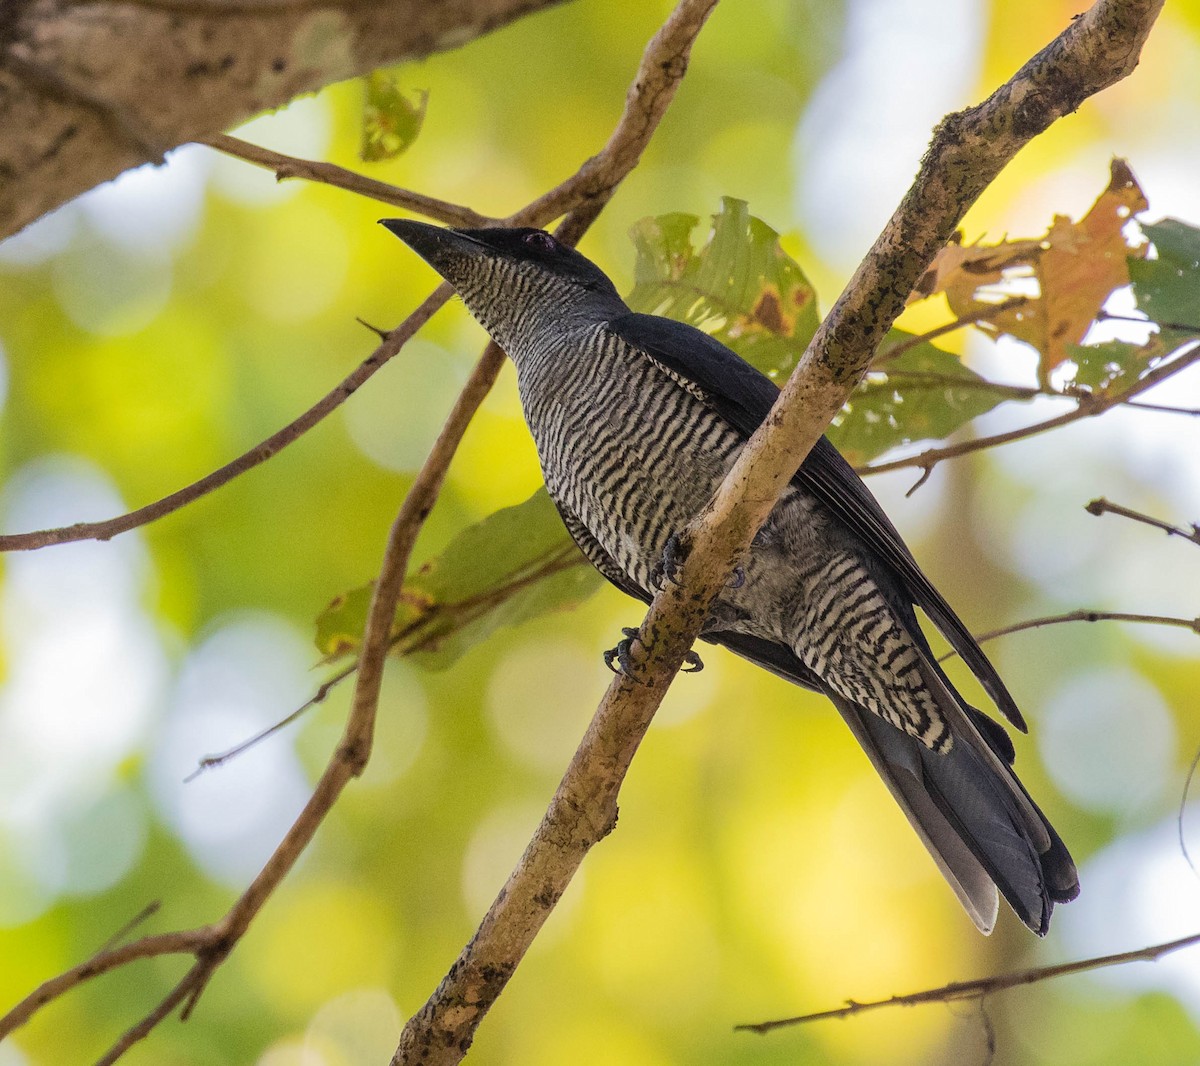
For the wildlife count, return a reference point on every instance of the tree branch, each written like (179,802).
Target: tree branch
(983,314)
(88,90)
(1097,404)
(1101,506)
(969,149)
(958,991)
(260,453)
(1082,615)
(289,166)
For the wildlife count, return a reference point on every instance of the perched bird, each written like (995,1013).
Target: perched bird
(637,418)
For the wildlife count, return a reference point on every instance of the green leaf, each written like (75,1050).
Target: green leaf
(1168,288)
(391,120)
(1100,365)
(514,565)
(740,286)
(923,393)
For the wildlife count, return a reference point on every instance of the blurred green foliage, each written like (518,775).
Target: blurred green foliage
(759,869)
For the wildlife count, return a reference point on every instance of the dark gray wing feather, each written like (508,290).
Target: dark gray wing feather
(743,396)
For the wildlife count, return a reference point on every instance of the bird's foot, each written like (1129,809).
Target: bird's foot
(619,659)
(675,553)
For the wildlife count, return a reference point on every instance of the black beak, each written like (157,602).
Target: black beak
(437,245)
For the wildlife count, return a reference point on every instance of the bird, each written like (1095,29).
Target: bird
(637,418)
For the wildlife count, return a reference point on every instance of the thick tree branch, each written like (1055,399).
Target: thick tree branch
(89,88)
(968,151)
(958,991)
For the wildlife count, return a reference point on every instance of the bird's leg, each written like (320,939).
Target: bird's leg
(621,654)
(692,663)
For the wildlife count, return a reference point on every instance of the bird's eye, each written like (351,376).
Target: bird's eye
(540,241)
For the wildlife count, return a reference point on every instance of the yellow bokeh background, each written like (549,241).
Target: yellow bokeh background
(162,325)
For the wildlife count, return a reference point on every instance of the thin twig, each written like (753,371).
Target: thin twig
(142,916)
(1083,615)
(289,166)
(211,762)
(1183,799)
(911,380)
(1097,404)
(1102,506)
(184,942)
(260,453)
(888,353)
(958,991)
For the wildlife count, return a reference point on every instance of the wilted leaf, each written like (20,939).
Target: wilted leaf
(515,564)
(922,393)
(740,286)
(1076,267)
(391,119)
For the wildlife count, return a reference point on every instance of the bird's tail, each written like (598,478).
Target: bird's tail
(973,814)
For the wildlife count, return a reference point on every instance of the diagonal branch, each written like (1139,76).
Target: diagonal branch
(289,166)
(969,149)
(260,453)
(1097,404)
(958,991)
(1082,615)
(1102,506)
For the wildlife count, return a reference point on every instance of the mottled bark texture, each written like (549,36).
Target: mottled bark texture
(90,88)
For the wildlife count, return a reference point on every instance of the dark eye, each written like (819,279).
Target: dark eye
(540,241)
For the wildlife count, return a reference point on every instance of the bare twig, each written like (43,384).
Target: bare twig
(1083,615)
(958,991)
(1097,404)
(185,942)
(969,149)
(911,380)
(260,453)
(1184,850)
(1102,506)
(887,353)
(288,166)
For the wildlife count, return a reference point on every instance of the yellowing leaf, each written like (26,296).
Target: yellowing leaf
(1076,267)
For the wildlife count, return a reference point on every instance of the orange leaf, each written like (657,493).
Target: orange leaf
(1076,265)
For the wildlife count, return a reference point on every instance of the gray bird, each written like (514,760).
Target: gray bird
(637,419)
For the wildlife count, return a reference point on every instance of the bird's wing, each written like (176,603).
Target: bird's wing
(743,396)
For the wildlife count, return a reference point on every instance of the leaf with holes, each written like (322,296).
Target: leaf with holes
(921,393)
(391,119)
(514,565)
(740,286)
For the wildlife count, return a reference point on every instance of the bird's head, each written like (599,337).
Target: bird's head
(517,282)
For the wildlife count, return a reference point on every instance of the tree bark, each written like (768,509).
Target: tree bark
(90,88)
